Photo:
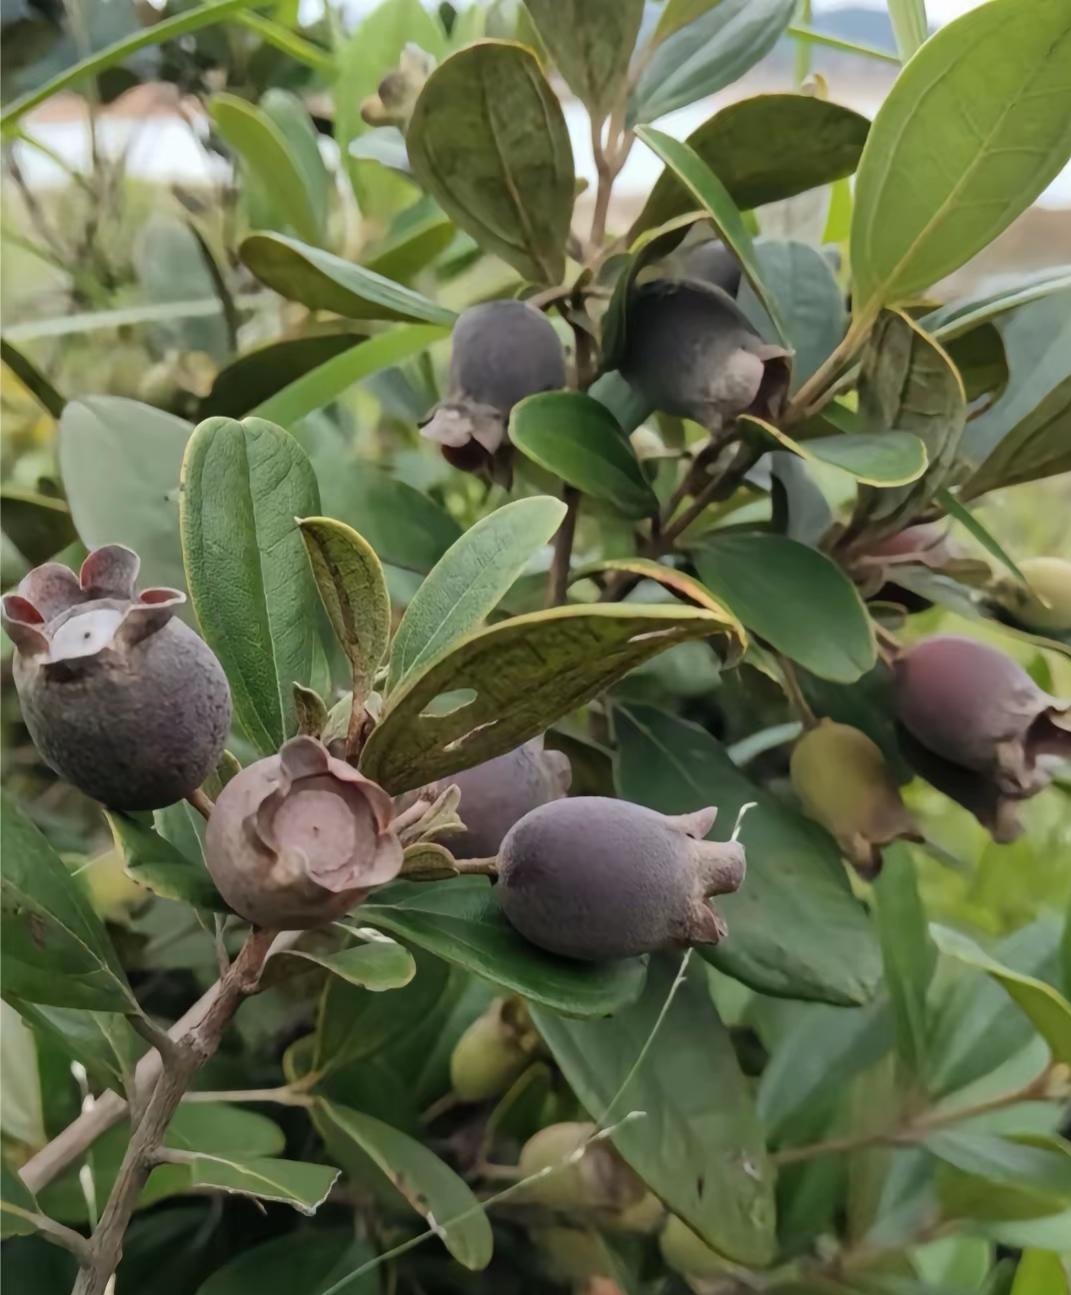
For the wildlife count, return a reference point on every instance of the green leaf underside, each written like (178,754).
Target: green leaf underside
(323,281)
(155,863)
(429,1185)
(378,965)
(579,440)
(244,486)
(795,929)
(793,597)
(461,921)
(972,131)
(287,1182)
(591,42)
(488,141)
(882,460)
(807,142)
(469,581)
(526,673)
(698,1144)
(55,949)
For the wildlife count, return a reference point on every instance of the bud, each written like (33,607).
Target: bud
(393,103)
(595,878)
(843,782)
(299,838)
(1046,605)
(691,351)
(121,699)
(492,1052)
(502,352)
(972,705)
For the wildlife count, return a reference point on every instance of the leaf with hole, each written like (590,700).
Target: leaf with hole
(296,1183)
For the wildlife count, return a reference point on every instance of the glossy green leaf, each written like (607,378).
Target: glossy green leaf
(38,525)
(579,440)
(711,194)
(120,462)
(469,581)
(253,378)
(323,281)
(488,141)
(320,386)
(590,42)
(883,460)
(55,949)
(908,957)
(353,590)
(460,921)
(18,1206)
(291,118)
(153,862)
(244,484)
(265,150)
(698,1144)
(909,384)
(706,54)
(1049,1011)
(795,929)
(285,1182)
(415,239)
(909,25)
(103,1042)
(793,597)
(429,1185)
(1040,1272)
(525,673)
(378,965)
(806,142)
(960,147)
(309,1262)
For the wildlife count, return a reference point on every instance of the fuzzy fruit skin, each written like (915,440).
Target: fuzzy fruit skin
(687,1253)
(594,878)
(712,262)
(1046,606)
(691,351)
(972,705)
(299,838)
(488,1057)
(499,792)
(122,700)
(843,782)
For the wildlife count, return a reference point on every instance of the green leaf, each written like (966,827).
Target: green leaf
(103,1042)
(909,25)
(39,526)
(591,43)
(120,462)
(910,385)
(323,281)
(793,597)
(800,279)
(55,949)
(265,151)
(488,141)
(908,956)
(119,51)
(1042,1164)
(286,1182)
(252,379)
(795,930)
(353,590)
(698,1144)
(153,862)
(468,582)
(960,513)
(579,440)
(806,142)
(956,318)
(1039,1272)
(1049,1011)
(289,115)
(404,526)
(960,147)
(378,965)
(17,1206)
(809,36)
(980,360)
(525,673)
(1038,447)
(460,921)
(707,53)
(429,1185)
(320,386)
(244,484)
(309,1262)
(417,236)
(717,202)
(883,460)
(31,377)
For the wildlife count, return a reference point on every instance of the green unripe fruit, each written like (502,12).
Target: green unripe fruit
(688,1254)
(490,1055)
(1046,605)
(587,1175)
(843,782)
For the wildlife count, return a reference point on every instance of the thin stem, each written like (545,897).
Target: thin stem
(813,391)
(287,1095)
(606,176)
(558,579)
(794,692)
(477,867)
(201,803)
(153,1035)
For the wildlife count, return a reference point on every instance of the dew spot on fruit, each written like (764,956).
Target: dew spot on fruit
(448,703)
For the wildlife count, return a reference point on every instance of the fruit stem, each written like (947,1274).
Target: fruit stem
(794,693)
(558,578)
(201,803)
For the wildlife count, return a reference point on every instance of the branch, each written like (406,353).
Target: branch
(558,580)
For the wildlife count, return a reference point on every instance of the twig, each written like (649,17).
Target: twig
(558,579)
(201,803)
(288,1095)
(153,1035)
(58,1234)
(794,692)
(477,867)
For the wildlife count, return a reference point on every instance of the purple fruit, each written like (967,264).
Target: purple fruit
(691,351)
(502,352)
(974,706)
(712,262)
(595,878)
(122,700)
(299,838)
